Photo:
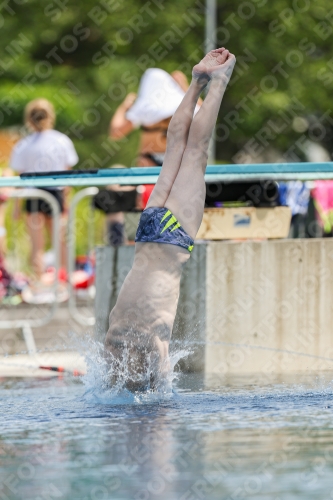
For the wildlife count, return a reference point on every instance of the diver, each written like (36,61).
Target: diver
(141,322)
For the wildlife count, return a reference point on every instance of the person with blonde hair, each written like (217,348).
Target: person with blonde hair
(44,150)
(39,114)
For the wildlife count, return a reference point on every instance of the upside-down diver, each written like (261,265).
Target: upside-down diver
(141,322)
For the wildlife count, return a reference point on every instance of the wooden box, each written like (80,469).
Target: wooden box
(245,223)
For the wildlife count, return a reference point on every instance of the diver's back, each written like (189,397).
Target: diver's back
(142,320)
(147,301)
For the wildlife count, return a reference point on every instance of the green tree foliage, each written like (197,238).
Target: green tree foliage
(86,56)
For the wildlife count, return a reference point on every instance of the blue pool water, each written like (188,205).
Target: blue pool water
(215,439)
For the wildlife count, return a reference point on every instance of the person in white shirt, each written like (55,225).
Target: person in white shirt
(44,150)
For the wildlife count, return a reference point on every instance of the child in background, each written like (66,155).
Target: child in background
(44,150)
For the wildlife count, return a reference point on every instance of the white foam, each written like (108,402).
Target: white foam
(101,370)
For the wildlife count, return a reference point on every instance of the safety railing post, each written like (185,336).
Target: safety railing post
(71,245)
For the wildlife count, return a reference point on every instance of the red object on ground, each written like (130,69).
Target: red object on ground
(52,368)
(148,188)
(82,279)
(84,275)
(62,274)
(50,272)
(76,373)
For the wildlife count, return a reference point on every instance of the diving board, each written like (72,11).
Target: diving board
(148,175)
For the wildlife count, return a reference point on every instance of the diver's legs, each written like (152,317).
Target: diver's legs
(177,136)
(187,196)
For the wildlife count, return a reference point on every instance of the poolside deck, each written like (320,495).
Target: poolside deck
(55,343)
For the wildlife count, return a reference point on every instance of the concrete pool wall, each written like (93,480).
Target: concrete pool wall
(243,304)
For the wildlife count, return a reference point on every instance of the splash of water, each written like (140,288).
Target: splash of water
(105,380)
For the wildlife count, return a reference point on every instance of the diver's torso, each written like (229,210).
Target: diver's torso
(147,302)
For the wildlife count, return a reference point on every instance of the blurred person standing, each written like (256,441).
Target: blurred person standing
(44,150)
(322,194)
(151,110)
(296,195)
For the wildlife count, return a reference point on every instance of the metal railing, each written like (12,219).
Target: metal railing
(72,305)
(27,324)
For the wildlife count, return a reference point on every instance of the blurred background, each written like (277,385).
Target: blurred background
(86,57)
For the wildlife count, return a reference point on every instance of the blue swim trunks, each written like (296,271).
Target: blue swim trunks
(159,225)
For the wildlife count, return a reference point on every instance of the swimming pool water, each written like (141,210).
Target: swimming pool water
(213,439)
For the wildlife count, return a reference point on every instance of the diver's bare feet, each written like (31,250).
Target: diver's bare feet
(217,64)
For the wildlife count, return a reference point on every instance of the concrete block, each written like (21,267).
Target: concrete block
(269,306)
(244,307)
